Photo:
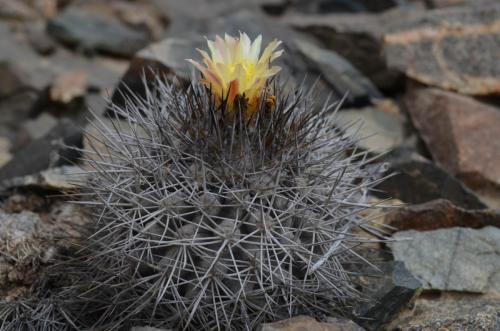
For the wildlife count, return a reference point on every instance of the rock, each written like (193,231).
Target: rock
(40,126)
(435,48)
(60,179)
(300,323)
(440,214)
(454,259)
(417,180)
(460,133)
(379,131)
(55,149)
(359,38)
(92,32)
(68,86)
(451,312)
(341,75)
(391,294)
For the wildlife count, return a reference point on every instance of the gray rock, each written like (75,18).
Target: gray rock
(341,76)
(418,180)
(379,131)
(435,48)
(57,148)
(92,32)
(455,259)
(451,311)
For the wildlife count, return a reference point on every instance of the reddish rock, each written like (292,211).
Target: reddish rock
(453,48)
(439,214)
(460,133)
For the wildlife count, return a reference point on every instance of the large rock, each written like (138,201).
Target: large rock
(417,180)
(92,32)
(342,77)
(439,214)
(301,323)
(390,293)
(460,133)
(453,48)
(357,37)
(455,259)
(451,312)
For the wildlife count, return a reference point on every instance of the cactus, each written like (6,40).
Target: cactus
(210,219)
(215,211)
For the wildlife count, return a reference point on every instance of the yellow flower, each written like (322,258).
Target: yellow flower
(234,69)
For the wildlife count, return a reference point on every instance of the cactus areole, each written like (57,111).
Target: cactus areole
(222,205)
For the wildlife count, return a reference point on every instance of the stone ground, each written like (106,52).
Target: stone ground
(423,76)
